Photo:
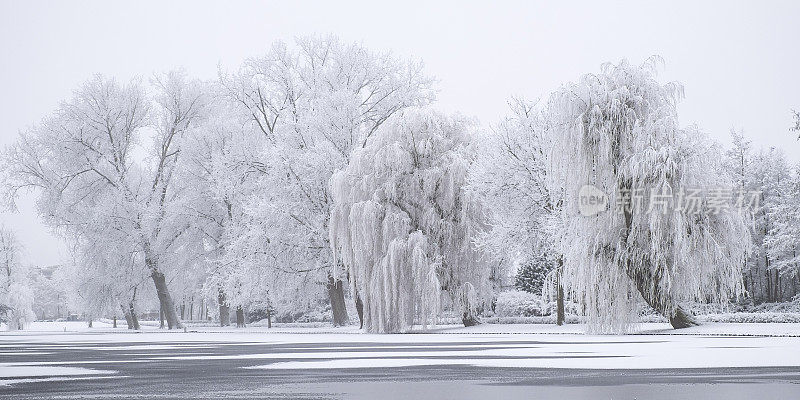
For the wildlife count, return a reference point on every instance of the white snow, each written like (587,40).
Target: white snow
(529,346)
(358,363)
(44,333)
(572,351)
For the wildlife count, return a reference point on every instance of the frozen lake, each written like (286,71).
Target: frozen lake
(498,362)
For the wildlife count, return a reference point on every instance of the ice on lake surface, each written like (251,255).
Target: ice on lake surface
(486,390)
(490,361)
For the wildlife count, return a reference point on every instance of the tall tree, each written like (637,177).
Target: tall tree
(768,175)
(510,178)
(312,104)
(618,131)
(769,275)
(403,225)
(782,242)
(80,160)
(747,169)
(105,274)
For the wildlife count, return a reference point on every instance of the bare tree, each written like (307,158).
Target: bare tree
(79,159)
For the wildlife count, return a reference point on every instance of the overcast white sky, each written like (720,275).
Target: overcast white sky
(738,61)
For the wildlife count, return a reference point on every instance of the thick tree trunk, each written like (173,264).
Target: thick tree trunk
(126,313)
(134,318)
(560,294)
(164,298)
(224,309)
(469,319)
(682,319)
(338,307)
(115,322)
(269,318)
(648,286)
(161,317)
(359,311)
(240,317)
(469,315)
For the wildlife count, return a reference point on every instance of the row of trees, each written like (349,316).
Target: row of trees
(771,270)
(218,187)
(319,172)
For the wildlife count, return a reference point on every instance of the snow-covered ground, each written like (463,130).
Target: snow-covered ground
(529,346)
(295,359)
(709,328)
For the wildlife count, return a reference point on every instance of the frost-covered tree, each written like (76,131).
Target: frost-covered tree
(768,274)
(215,179)
(105,275)
(49,302)
(16,296)
(510,178)
(80,160)
(236,276)
(311,104)
(767,173)
(618,131)
(740,160)
(745,167)
(782,241)
(403,225)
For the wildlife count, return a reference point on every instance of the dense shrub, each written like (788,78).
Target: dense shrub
(531,275)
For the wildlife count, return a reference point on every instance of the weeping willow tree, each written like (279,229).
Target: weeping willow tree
(618,131)
(402,225)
